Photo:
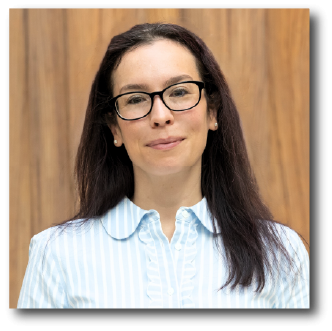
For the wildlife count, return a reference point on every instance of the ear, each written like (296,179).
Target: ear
(115,131)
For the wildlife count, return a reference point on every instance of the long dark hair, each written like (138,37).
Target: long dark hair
(104,173)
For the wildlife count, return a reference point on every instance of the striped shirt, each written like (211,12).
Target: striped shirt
(124,260)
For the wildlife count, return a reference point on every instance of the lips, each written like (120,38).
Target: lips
(165,146)
(168,140)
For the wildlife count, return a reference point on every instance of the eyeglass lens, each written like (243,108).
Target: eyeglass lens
(177,97)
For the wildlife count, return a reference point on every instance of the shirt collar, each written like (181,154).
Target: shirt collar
(122,221)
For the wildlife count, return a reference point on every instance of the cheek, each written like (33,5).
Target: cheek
(198,124)
(131,141)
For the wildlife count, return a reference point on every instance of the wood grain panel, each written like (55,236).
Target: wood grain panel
(288,77)
(20,203)
(169,15)
(49,120)
(84,48)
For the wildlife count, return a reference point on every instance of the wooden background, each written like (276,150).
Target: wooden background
(54,55)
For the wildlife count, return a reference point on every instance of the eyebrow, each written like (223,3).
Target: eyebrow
(144,87)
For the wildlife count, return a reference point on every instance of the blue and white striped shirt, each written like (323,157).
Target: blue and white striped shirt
(124,260)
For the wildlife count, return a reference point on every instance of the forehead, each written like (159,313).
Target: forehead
(153,64)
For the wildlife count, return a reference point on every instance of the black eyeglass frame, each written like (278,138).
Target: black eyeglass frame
(200,85)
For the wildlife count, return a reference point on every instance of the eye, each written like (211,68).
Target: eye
(179,92)
(136,99)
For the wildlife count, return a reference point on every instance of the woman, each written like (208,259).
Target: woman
(164,179)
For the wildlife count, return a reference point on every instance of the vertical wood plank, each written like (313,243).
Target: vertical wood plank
(115,21)
(288,65)
(169,15)
(48,105)
(84,52)
(19,156)
(244,61)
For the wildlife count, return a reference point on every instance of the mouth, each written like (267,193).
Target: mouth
(167,145)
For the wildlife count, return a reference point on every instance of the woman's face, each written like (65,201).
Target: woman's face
(154,67)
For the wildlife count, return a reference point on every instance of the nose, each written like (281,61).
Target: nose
(160,115)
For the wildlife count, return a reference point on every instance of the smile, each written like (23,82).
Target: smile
(166,146)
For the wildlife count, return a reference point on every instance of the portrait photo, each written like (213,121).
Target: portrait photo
(159,158)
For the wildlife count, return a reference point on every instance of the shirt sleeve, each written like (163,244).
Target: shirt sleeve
(293,291)
(42,285)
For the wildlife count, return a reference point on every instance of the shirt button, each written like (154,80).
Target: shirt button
(170,291)
(178,246)
(185,214)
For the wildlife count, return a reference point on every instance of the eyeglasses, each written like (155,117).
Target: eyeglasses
(177,97)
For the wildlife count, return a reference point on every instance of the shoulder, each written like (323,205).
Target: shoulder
(56,234)
(290,250)
(42,237)
(289,237)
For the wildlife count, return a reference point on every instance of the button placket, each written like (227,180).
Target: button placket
(185,214)
(166,262)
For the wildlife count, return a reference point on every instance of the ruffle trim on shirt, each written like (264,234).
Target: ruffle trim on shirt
(190,252)
(154,290)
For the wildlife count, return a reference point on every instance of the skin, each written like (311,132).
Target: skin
(165,180)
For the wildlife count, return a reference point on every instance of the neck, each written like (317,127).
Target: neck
(166,194)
